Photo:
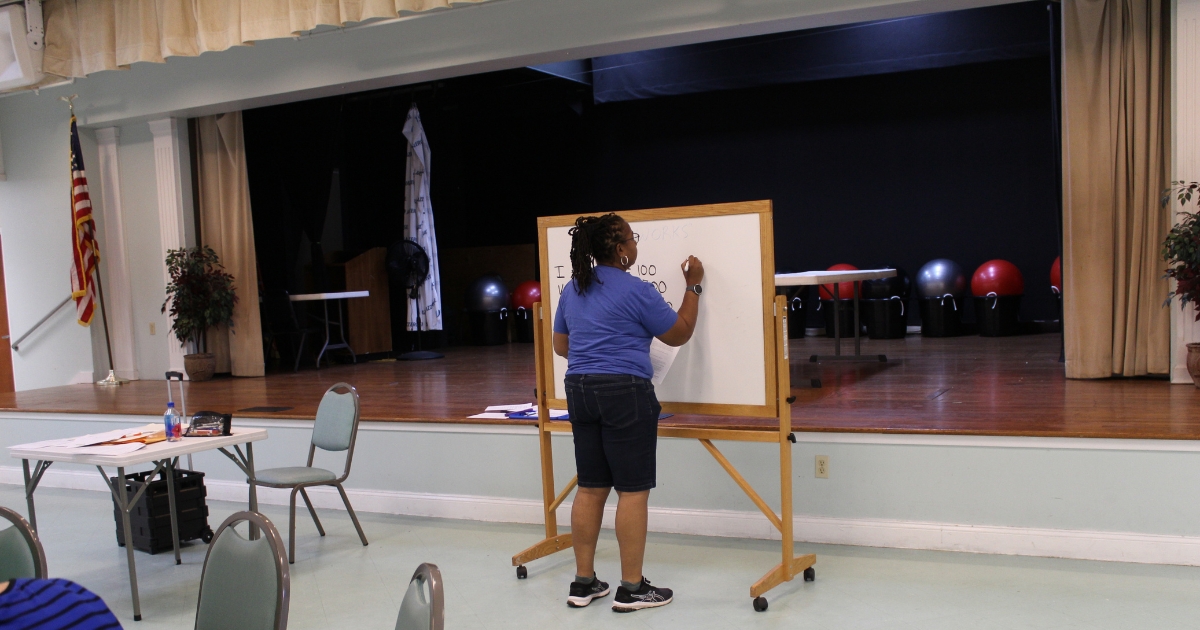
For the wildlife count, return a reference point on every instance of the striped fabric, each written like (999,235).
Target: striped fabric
(52,605)
(83,236)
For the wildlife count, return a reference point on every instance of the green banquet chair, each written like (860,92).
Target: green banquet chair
(335,429)
(423,607)
(245,583)
(21,553)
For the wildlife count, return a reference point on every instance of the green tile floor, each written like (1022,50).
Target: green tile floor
(337,583)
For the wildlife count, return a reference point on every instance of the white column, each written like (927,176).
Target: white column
(118,298)
(1185,94)
(169,173)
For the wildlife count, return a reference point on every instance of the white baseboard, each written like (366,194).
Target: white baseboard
(1021,541)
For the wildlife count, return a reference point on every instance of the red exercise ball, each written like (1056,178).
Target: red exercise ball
(997,276)
(527,294)
(1056,275)
(845,289)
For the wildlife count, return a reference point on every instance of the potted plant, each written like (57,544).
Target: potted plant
(1181,250)
(200,295)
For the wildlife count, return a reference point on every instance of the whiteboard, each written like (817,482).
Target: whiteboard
(727,365)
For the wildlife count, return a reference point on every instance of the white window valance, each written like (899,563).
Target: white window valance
(87,36)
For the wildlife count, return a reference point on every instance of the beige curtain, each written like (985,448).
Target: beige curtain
(225,226)
(1116,111)
(86,36)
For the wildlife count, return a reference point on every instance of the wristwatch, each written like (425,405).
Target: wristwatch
(695,288)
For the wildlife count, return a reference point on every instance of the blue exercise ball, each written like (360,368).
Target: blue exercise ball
(488,293)
(940,277)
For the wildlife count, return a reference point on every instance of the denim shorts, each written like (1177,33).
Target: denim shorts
(614,418)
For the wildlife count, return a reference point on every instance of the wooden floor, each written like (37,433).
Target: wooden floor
(966,386)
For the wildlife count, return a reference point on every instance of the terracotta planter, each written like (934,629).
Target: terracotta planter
(200,367)
(1193,362)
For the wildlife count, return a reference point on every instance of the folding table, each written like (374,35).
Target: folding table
(165,457)
(325,298)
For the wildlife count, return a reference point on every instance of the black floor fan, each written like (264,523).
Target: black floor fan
(408,266)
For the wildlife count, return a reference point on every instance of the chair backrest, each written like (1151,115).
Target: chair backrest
(21,553)
(245,583)
(337,421)
(422,610)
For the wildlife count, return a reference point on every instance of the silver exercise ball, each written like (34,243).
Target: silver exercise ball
(939,277)
(488,293)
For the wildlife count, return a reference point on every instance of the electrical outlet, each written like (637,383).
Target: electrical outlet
(822,467)
(153,331)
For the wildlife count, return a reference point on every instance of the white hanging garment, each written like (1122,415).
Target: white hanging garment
(418,225)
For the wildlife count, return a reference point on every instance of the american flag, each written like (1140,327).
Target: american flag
(83,236)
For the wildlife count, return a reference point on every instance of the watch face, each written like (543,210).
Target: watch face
(697,289)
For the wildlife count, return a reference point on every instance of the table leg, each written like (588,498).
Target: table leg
(342,331)
(170,472)
(325,311)
(253,487)
(29,494)
(127,529)
(857,326)
(837,320)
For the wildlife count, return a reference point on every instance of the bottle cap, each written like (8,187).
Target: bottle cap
(171,404)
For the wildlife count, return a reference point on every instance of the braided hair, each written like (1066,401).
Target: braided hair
(593,240)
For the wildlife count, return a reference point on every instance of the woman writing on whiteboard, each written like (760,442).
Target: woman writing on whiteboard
(605,321)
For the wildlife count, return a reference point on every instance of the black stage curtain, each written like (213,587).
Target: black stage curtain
(1012,31)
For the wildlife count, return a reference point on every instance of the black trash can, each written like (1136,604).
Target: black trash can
(150,518)
(998,315)
(845,314)
(940,317)
(523,321)
(489,328)
(888,319)
(797,316)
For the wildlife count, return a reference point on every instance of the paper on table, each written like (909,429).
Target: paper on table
(498,415)
(661,358)
(520,407)
(109,449)
(76,443)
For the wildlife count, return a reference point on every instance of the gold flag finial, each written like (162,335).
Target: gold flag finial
(70,101)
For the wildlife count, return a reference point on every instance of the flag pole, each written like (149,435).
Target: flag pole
(111,380)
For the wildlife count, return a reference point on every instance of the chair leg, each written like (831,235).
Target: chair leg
(292,528)
(312,511)
(353,516)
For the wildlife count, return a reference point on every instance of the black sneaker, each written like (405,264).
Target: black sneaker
(583,594)
(646,596)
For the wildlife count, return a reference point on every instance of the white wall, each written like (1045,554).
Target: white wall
(1186,90)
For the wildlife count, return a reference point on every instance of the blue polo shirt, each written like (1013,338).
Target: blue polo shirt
(55,604)
(611,325)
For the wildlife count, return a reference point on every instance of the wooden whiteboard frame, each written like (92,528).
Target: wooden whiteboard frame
(763,209)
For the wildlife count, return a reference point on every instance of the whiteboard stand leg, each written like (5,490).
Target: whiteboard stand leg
(553,543)
(791,565)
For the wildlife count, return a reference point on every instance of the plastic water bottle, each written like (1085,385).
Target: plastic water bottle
(172,424)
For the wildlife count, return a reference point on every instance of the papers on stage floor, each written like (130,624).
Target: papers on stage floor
(491,415)
(510,408)
(95,443)
(661,358)
(518,413)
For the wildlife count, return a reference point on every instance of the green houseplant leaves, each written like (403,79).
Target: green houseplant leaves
(200,293)
(1181,248)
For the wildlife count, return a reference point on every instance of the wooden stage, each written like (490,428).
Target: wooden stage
(1010,386)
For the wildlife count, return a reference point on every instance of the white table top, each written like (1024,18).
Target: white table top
(306,297)
(151,453)
(825,277)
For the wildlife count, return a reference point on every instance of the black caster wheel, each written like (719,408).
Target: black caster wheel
(760,604)
(810,574)
(522,572)
(206,536)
